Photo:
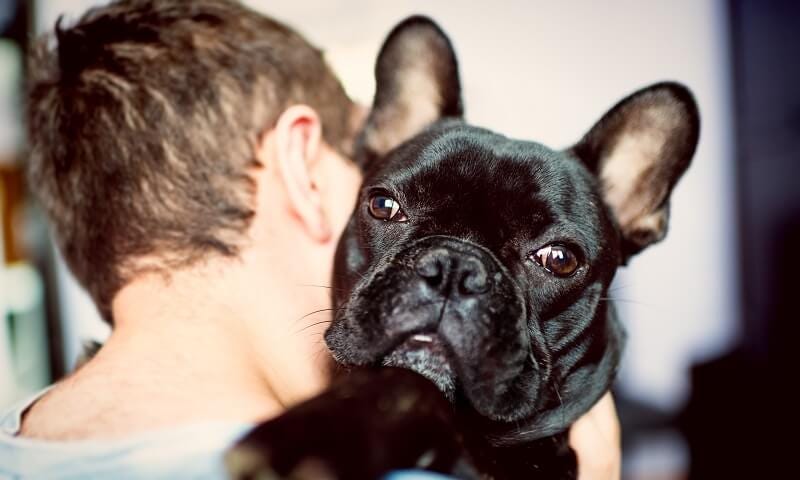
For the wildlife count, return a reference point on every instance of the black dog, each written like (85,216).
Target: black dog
(482,263)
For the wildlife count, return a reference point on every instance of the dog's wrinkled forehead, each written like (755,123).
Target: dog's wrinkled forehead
(472,183)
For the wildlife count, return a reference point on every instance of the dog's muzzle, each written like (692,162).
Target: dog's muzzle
(446,308)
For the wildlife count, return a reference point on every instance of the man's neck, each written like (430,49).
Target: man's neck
(178,354)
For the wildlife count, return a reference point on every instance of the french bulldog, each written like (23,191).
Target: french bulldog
(483,264)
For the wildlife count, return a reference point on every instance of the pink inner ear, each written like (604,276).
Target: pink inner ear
(638,150)
(416,105)
(417,84)
(637,171)
(630,176)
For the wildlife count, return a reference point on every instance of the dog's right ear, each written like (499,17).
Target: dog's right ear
(416,84)
(638,151)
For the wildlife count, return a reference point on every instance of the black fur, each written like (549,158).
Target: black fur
(520,353)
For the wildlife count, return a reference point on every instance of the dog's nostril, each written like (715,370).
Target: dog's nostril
(429,269)
(430,266)
(474,278)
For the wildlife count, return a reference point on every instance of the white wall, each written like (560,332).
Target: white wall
(546,71)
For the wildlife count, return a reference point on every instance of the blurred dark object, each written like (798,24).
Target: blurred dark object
(766,59)
(8,14)
(15,20)
(24,230)
(739,400)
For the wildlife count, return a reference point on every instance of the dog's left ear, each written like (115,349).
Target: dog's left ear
(638,151)
(417,84)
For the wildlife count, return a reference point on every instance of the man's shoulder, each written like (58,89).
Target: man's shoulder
(192,451)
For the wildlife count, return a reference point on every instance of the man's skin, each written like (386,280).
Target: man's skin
(239,340)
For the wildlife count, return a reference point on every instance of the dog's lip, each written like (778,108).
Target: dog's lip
(430,341)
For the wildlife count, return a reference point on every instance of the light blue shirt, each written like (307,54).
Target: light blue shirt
(190,452)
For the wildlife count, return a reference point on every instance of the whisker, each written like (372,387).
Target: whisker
(655,307)
(320,352)
(319,286)
(320,335)
(312,325)
(315,311)
(618,287)
(626,300)
(560,400)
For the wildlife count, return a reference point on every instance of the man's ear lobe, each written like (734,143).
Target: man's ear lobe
(298,144)
(417,83)
(638,151)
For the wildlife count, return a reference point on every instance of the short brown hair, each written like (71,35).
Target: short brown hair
(143,119)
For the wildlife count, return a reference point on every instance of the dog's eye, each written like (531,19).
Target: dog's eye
(386,208)
(557,259)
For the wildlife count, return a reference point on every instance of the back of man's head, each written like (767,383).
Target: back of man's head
(144,118)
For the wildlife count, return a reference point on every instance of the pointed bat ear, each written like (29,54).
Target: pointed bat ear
(417,84)
(638,151)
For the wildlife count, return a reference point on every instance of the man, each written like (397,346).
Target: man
(193,160)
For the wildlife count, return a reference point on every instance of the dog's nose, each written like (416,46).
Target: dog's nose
(449,271)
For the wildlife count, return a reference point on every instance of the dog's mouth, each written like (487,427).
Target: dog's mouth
(427,354)
(468,354)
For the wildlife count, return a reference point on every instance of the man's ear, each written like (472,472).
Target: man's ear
(297,147)
(638,151)
(417,83)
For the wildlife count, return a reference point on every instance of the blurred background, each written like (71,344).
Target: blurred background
(708,311)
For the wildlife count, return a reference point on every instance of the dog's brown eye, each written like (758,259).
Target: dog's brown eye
(557,259)
(385,208)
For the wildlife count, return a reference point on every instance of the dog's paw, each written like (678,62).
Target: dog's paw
(362,428)
(292,448)
(246,462)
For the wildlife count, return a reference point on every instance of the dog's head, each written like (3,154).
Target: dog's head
(484,262)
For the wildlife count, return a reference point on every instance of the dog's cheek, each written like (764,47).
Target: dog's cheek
(579,338)
(577,319)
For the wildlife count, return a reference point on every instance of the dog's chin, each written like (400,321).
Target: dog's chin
(428,355)
(432,356)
